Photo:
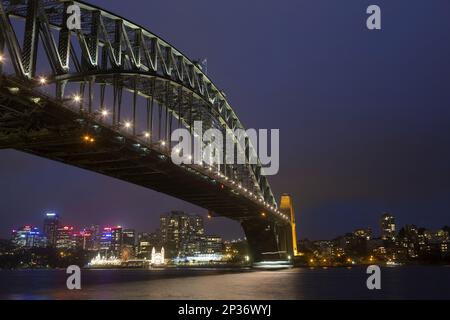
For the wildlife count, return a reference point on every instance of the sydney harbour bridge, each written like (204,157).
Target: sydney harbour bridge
(106,98)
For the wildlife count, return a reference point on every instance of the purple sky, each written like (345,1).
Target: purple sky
(364,116)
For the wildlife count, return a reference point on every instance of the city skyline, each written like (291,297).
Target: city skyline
(182,238)
(381,230)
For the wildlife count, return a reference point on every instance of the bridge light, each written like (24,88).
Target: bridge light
(14,90)
(88,138)
(104,113)
(147,134)
(163,143)
(127,124)
(263,214)
(1,58)
(189,157)
(36,100)
(76,98)
(42,80)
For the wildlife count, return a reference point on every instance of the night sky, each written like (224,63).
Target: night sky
(364,116)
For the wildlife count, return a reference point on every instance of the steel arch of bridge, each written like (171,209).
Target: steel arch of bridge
(111,55)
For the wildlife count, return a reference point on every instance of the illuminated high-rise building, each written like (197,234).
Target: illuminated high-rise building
(28,237)
(90,238)
(387,225)
(177,228)
(196,225)
(128,237)
(127,250)
(106,241)
(146,241)
(51,225)
(65,238)
(116,240)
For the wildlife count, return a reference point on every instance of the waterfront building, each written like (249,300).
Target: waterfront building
(202,244)
(146,241)
(157,258)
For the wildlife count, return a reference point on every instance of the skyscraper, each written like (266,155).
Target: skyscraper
(128,244)
(196,225)
(65,238)
(387,224)
(51,225)
(146,242)
(106,241)
(28,237)
(117,240)
(177,227)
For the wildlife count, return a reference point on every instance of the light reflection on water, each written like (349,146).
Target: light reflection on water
(410,282)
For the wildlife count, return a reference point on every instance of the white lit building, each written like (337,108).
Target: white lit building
(157,257)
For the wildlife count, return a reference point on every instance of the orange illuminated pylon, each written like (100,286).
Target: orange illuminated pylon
(287,206)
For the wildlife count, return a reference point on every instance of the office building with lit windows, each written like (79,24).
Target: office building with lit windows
(28,237)
(65,238)
(178,228)
(387,225)
(51,225)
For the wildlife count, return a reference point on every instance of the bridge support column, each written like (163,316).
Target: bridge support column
(269,239)
(261,238)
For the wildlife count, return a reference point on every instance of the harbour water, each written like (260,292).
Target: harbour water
(405,282)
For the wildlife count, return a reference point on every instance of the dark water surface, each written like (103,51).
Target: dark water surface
(406,282)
